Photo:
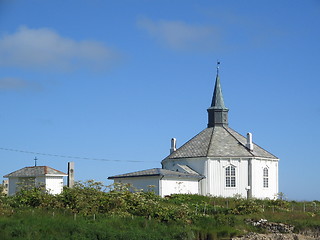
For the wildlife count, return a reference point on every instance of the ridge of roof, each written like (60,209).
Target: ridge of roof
(211,137)
(227,129)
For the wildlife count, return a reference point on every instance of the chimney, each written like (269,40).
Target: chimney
(249,144)
(70,174)
(173,145)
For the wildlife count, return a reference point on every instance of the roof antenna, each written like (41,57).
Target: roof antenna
(218,64)
(35,161)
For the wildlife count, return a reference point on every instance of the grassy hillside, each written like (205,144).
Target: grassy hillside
(93,211)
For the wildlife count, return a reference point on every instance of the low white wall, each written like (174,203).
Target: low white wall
(162,186)
(183,186)
(141,183)
(53,184)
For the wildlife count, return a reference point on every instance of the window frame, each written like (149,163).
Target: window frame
(265,178)
(230,177)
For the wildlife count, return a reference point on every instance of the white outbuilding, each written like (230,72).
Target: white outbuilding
(162,181)
(51,179)
(226,162)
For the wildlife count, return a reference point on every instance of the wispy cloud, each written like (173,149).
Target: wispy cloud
(44,48)
(17,84)
(179,35)
(227,32)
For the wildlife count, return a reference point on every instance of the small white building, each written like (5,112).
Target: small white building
(51,179)
(226,162)
(162,181)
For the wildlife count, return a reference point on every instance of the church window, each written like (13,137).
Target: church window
(265,177)
(230,176)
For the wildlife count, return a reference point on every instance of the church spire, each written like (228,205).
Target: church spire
(217,112)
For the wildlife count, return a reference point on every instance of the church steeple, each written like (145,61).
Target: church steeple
(217,112)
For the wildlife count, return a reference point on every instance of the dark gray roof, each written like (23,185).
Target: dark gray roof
(218,141)
(157,172)
(35,172)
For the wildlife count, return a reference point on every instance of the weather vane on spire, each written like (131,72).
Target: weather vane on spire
(218,64)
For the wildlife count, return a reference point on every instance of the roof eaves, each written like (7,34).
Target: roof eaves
(134,176)
(185,176)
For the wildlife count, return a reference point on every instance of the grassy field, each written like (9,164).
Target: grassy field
(92,211)
(42,225)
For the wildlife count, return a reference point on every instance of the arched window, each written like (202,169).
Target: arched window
(265,177)
(230,176)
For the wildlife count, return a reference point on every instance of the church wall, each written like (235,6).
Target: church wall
(184,186)
(216,178)
(143,183)
(214,170)
(258,188)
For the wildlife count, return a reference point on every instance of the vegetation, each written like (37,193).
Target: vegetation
(91,210)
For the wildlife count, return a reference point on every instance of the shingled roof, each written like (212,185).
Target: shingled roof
(158,172)
(219,141)
(35,171)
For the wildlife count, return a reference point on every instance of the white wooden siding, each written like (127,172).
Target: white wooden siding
(216,177)
(258,190)
(214,182)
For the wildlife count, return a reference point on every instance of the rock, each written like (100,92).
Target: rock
(271,227)
(278,231)
(275,236)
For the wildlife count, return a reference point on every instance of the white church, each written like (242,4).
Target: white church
(218,161)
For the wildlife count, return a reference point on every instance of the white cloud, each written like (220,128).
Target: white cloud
(9,83)
(45,49)
(179,35)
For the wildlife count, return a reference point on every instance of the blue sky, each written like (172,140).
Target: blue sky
(116,80)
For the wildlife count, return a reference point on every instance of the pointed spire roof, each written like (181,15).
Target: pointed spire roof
(217,112)
(217,99)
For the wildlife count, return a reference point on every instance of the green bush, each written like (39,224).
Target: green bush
(121,212)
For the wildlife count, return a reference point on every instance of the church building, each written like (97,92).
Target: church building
(218,161)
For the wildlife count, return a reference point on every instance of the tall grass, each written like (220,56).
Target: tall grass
(41,225)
